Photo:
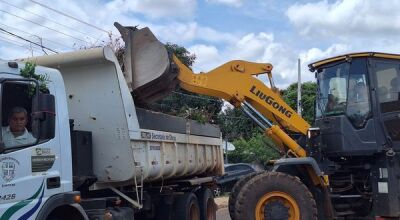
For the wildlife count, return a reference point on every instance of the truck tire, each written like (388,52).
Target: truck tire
(164,210)
(275,195)
(186,207)
(208,208)
(235,191)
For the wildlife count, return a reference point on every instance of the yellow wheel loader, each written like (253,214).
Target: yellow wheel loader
(345,166)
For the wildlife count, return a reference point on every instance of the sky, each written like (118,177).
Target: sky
(269,31)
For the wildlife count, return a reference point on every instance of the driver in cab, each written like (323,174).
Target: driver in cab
(15,133)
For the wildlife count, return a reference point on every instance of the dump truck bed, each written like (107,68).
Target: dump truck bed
(131,143)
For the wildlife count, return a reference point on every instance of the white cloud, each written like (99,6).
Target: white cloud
(342,19)
(315,54)
(179,32)
(252,46)
(255,47)
(205,56)
(232,3)
(157,8)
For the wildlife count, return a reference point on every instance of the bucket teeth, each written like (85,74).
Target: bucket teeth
(148,67)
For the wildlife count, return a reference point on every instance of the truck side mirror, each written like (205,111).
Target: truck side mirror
(43,116)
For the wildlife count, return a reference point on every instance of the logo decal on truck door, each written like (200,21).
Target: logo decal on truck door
(8,168)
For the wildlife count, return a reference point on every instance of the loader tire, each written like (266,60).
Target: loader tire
(235,191)
(275,196)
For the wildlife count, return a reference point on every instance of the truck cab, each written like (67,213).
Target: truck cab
(32,169)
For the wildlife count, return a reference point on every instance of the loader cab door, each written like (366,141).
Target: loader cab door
(387,83)
(344,109)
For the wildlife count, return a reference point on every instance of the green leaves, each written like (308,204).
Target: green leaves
(308,94)
(180,52)
(29,72)
(257,150)
(235,125)
(200,108)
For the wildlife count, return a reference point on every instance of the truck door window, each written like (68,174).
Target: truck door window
(16,109)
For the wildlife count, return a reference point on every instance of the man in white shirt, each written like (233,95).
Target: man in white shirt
(15,133)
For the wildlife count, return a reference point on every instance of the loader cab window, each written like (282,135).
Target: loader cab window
(388,80)
(358,101)
(332,93)
(343,89)
(387,75)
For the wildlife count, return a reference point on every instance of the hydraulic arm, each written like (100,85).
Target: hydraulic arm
(235,82)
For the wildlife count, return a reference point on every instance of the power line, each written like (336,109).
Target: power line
(55,42)
(70,28)
(18,44)
(44,26)
(17,36)
(12,42)
(69,16)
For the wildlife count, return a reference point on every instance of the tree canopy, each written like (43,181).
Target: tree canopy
(308,94)
(258,149)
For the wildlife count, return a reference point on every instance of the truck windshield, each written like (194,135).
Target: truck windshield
(332,84)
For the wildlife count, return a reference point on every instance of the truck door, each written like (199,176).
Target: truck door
(27,153)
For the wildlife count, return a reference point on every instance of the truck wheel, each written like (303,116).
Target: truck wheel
(208,208)
(235,191)
(275,195)
(186,207)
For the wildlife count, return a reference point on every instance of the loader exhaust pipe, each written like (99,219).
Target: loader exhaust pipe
(149,69)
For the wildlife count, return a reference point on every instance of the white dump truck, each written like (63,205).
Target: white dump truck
(94,154)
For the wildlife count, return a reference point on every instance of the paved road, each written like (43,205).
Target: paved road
(223,214)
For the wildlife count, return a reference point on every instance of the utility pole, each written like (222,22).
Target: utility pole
(299,88)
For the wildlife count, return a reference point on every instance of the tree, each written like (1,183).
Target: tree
(184,55)
(258,150)
(235,125)
(308,94)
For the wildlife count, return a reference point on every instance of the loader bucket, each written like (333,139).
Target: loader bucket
(148,67)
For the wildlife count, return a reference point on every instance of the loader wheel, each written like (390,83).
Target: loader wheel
(186,207)
(275,196)
(235,191)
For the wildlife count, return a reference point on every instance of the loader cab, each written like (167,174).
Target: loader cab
(358,106)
